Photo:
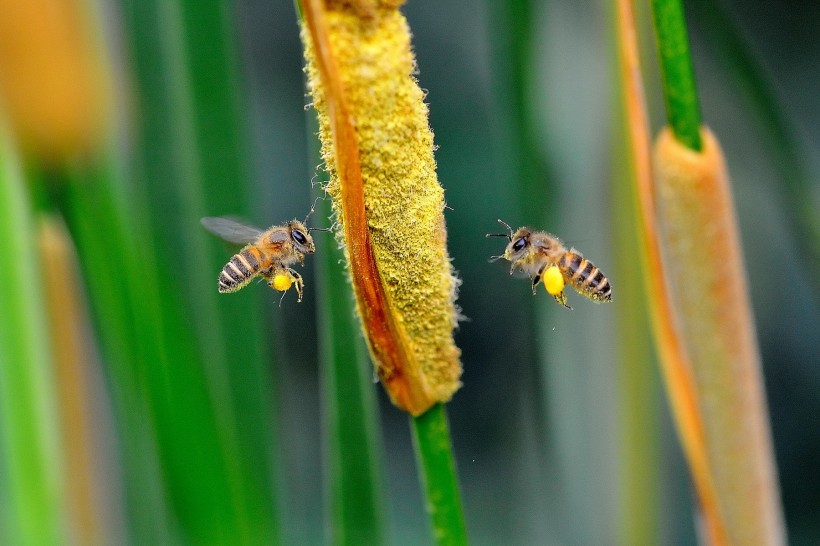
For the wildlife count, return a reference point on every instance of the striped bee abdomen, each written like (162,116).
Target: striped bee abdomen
(585,277)
(239,270)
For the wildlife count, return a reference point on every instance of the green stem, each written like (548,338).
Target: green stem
(679,90)
(431,439)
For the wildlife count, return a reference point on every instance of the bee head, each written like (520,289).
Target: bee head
(300,235)
(519,240)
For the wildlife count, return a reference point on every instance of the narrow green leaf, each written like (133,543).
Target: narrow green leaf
(639,401)
(434,457)
(355,490)
(120,279)
(525,170)
(30,467)
(192,162)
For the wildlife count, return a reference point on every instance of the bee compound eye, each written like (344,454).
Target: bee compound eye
(519,244)
(299,237)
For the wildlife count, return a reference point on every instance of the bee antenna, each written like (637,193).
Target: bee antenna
(319,229)
(506,225)
(311,211)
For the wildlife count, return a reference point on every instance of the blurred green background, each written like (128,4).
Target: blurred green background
(205,411)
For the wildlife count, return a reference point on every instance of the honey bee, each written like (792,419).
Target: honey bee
(540,254)
(267,253)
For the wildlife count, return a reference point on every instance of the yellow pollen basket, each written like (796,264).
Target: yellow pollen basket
(553,280)
(282,282)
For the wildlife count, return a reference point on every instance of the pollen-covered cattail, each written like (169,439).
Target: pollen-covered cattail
(378,147)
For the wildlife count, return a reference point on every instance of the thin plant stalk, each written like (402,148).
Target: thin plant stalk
(640,454)
(124,299)
(515,42)
(87,205)
(677,75)
(434,456)
(525,170)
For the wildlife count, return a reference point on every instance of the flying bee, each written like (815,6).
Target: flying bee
(544,257)
(267,253)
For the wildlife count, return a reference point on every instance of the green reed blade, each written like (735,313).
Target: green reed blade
(354,480)
(123,295)
(191,160)
(30,469)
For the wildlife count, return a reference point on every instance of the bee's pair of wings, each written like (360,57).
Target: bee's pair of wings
(231,230)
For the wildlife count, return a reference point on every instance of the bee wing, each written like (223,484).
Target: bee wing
(546,245)
(231,230)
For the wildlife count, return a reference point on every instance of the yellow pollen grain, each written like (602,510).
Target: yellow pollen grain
(282,282)
(553,280)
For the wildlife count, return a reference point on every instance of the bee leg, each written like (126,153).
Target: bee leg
(271,275)
(538,277)
(268,275)
(298,283)
(536,280)
(562,299)
(514,266)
